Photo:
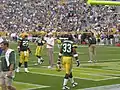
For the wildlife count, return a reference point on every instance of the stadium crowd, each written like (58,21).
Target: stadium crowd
(17,15)
(56,15)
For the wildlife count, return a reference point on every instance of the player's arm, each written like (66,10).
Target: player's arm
(58,66)
(19,43)
(59,57)
(29,50)
(18,47)
(75,55)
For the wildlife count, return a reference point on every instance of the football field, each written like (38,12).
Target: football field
(103,75)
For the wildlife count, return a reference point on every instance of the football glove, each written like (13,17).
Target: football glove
(78,62)
(58,67)
(29,51)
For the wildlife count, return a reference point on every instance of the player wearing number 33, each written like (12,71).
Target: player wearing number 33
(24,50)
(67,52)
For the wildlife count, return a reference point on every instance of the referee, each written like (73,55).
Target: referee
(92,47)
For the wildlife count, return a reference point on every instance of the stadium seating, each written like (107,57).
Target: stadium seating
(18,15)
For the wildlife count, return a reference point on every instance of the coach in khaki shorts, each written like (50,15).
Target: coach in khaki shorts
(92,47)
(7,67)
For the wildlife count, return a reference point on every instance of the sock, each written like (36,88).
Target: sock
(71,78)
(20,64)
(39,60)
(26,69)
(18,68)
(25,64)
(65,79)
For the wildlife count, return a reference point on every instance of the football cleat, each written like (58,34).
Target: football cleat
(17,70)
(90,61)
(41,61)
(36,64)
(74,84)
(95,61)
(26,70)
(65,88)
(49,67)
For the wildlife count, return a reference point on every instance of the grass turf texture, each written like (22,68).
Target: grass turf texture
(105,72)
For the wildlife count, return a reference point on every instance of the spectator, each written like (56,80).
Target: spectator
(49,14)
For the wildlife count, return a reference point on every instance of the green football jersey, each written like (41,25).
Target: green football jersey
(67,48)
(24,44)
(40,42)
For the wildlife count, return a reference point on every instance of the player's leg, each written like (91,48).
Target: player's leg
(26,56)
(66,78)
(71,75)
(40,55)
(21,61)
(37,54)
(72,80)
(67,71)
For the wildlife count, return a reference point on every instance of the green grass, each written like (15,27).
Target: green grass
(105,72)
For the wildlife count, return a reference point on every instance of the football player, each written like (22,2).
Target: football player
(24,50)
(67,52)
(40,45)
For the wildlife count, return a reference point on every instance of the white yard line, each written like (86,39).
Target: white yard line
(106,77)
(106,87)
(37,85)
(85,72)
(60,76)
(112,47)
(87,63)
(101,61)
